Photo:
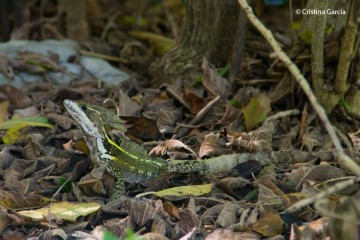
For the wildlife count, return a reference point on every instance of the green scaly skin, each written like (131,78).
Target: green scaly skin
(122,158)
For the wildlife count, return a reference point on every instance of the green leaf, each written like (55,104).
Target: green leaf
(197,81)
(256,111)
(108,235)
(225,70)
(345,103)
(67,187)
(296,25)
(36,121)
(15,125)
(130,235)
(235,103)
(306,37)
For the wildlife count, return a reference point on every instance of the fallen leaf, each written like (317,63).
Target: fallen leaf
(213,82)
(167,145)
(197,103)
(16,200)
(223,234)
(26,112)
(128,107)
(183,192)
(16,97)
(256,111)
(4,111)
(141,213)
(69,211)
(141,127)
(213,145)
(258,140)
(269,225)
(171,209)
(162,44)
(323,173)
(227,216)
(15,125)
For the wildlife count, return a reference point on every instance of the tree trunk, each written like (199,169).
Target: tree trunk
(210,29)
(332,90)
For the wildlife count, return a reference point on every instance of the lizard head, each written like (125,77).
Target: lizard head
(93,119)
(89,119)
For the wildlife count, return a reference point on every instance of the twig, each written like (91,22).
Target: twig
(199,116)
(282,114)
(103,56)
(304,119)
(343,159)
(331,190)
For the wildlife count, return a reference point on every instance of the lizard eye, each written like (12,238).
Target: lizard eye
(84,107)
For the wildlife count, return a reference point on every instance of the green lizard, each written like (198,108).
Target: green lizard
(122,158)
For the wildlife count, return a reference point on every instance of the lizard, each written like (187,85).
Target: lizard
(126,160)
(122,158)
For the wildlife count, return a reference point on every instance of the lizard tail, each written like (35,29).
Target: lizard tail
(188,166)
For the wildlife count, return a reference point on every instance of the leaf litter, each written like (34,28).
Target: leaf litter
(45,163)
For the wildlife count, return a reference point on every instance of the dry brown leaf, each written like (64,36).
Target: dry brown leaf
(213,145)
(258,140)
(171,209)
(291,198)
(345,225)
(49,63)
(92,185)
(323,173)
(227,216)
(281,89)
(176,90)
(4,221)
(167,145)
(355,141)
(319,227)
(211,214)
(16,97)
(27,112)
(4,111)
(197,103)
(142,127)
(248,169)
(141,213)
(188,221)
(234,182)
(271,185)
(63,121)
(312,140)
(267,197)
(213,82)
(16,200)
(128,107)
(167,118)
(269,225)
(94,12)
(222,234)
(231,114)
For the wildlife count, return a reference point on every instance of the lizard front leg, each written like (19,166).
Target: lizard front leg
(119,189)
